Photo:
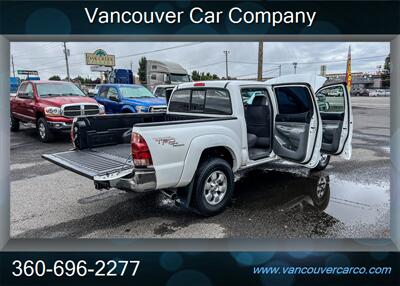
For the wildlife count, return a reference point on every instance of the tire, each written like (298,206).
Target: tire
(358,94)
(213,187)
(14,124)
(320,196)
(44,132)
(323,162)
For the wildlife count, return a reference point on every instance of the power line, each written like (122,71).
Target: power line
(158,50)
(206,65)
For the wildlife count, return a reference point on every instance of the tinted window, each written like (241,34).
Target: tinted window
(180,101)
(293,99)
(211,101)
(217,102)
(198,97)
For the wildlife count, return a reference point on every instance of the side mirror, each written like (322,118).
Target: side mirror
(23,95)
(113,98)
(166,78)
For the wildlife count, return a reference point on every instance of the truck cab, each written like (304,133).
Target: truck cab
(212,131)
(165,73)
(128,98)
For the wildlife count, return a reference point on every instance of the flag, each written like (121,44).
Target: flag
(348,71)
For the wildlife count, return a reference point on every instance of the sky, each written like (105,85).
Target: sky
(48,57)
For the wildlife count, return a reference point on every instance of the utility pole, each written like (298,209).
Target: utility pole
(226,63)
(280,70)
(66,53)
(260,60)
(295,67)
(12,62)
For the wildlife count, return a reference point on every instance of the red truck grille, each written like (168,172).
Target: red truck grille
(79,110)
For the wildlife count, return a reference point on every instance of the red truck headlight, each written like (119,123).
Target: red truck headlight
(52,111)
(140,151)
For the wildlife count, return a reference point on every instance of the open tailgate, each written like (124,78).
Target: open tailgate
(103,163)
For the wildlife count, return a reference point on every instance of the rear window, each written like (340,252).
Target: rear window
(209,101)
(293,99)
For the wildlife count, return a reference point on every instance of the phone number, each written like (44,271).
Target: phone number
(69,268)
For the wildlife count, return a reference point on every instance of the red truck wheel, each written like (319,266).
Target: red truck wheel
(43,129)
(14,124)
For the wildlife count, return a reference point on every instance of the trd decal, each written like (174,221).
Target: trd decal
(168,141)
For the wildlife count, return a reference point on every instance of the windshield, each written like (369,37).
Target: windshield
(58,89)
(179,78)
(135,92)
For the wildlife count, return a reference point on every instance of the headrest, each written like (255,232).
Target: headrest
(259,100)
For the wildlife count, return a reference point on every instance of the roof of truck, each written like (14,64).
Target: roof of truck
(121,84)
(218,83)
(314,80)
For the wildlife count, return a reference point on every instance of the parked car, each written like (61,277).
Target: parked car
(379,92)
(164,90)
(129,98)
(51,106)
(359,91)
(93,91)
(206,137)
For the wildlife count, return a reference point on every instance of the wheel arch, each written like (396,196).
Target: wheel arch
(209,146)
(128,109)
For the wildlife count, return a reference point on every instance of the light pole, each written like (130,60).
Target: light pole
(295,67)
(226,63)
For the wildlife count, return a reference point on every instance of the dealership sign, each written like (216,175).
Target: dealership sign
(100,58)
(96,68)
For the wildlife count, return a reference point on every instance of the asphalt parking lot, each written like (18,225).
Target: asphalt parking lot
(50,202)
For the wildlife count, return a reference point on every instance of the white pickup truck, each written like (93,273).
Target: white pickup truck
(211,131)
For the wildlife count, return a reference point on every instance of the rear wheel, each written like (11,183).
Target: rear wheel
(43,129)
(213,187)
(323,162)
(14,124)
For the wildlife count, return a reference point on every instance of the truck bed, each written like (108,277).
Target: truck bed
(95,162)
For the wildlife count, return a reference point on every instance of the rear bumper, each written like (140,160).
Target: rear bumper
(138,181)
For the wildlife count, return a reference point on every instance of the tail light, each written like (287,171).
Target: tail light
(140,151)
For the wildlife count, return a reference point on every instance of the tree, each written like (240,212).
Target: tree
(142,69)
(196,75)
(385,76)
(55,77)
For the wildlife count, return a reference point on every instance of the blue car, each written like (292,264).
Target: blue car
(129,98)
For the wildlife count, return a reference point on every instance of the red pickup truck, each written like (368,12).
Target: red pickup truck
(51,106)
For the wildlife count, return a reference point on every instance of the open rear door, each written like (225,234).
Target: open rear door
(337,119)
(297,127)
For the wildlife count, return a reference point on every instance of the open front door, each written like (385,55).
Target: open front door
(297,128)
(337,119)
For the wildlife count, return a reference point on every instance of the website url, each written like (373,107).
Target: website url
(312,270)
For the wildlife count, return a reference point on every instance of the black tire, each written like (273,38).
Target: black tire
(323,162)
(14,124)
(358,94)
(320,196)
(44,131)
(207,169)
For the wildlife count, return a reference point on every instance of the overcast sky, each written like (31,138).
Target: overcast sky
(48,57)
